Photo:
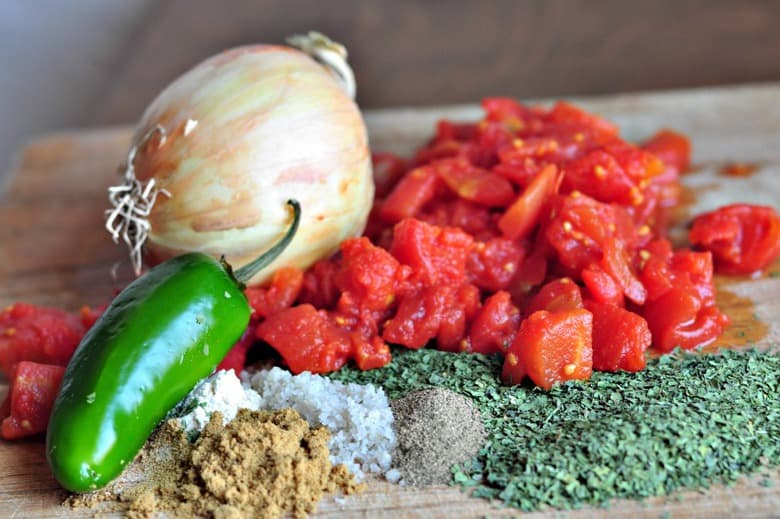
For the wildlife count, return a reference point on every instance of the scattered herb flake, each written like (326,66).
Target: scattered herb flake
(687,421)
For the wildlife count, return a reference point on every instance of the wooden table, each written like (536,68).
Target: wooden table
(53,251)
(408,52)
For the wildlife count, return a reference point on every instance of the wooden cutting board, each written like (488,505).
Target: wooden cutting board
(54,251)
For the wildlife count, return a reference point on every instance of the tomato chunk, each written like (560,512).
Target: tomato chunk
(474,184)
(388,169)
(679,319)
(370,353)
(32,390)
(579,229)
(615,261)
(620,338)
(523,215)
(236,357)
(559,294)
(551,347)
(674,149)
(456,317)
(467,216)
(743,238)
(286,284)
(306,339)
(566,114)
(601,286)
(411,193)
(90,315)
(370,274)
(435,254)
(599,175)
(37,334)
(440,312)
(418,318)
(495,326)
(319,285)
(493,264)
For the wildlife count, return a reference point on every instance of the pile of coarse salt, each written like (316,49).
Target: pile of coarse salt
(358,416)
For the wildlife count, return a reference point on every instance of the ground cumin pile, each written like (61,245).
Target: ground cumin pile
(261,464)
(436,429)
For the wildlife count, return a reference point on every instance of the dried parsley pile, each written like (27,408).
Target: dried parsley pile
(687,421)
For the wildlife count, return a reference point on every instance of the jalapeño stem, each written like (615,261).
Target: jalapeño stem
(245,273)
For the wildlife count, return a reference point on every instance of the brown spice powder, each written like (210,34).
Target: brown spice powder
(261,464)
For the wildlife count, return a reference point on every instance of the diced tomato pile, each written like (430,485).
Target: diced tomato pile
(35,345)
(536,234)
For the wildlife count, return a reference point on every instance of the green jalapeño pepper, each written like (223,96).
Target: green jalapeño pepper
(160,336)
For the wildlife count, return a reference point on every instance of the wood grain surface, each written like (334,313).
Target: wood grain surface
(408,52)
(53,251)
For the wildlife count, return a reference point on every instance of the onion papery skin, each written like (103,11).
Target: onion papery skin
(245,131)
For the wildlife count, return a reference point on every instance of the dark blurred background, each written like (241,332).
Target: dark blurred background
(404,52)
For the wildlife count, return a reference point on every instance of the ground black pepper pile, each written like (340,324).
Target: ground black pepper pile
(687,421)
(436,429)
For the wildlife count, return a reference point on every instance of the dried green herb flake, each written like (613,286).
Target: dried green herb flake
(687,421)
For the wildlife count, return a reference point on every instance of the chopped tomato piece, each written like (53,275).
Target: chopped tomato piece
(370,274)
(474,184)
(674,149)
(694,270)
(615,262)
(521,162)
(523,215)
(502,109)
(236,357)
(370,353)
(493,264)
(456,317)
(579,228)
(640,165)
(599,175)
(494,326)
(388,169)
(415,323)
(601,286)
(533,271)
(564,113)
(743,238)
(450,131)
(306,339)
(32,390)
(319,285)
(435,254)
(418,318)
(520,172)
(286,284)
(551,347)
(437,150)
(655,268)
(678,319)
(441,312)
(474,219)
(557,295)
(620,338)
(37,334)
(409,196)
(90,315)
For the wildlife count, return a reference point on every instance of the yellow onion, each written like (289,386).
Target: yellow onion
(230,141)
